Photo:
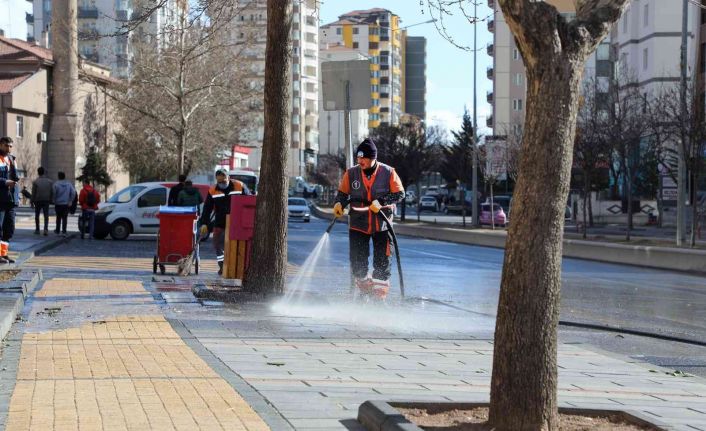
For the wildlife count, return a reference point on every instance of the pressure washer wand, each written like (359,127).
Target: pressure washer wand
(330,226)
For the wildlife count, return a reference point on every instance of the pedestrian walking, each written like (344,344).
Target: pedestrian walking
(42,197)
(64,194)
(372,185)
(174,191)
(88,198)
(8,201)
(218,204)
(189,196)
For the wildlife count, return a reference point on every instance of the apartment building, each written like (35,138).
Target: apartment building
(99,27)
(376,34)
(415,76)
(331,125)
(16,19)
(249,29)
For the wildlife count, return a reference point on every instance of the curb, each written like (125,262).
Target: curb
(40,248)
(383,416)
(15,291)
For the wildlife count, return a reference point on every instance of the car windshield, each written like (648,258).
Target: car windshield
(486,207)
(428,199)
(296,201)
(126,194)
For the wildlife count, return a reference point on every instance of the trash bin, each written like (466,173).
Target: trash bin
(177,237)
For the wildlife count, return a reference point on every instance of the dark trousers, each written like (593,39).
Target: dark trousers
(360,252)
(89,220)
(7,222)
(62,216)
(44,208)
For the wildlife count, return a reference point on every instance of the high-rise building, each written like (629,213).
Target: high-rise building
(331,124)
(375,33)
(249,30)
(102,38)
(16,19)
(415,76)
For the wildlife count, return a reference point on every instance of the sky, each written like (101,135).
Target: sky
(449,69)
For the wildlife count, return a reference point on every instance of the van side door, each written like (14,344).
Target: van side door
(147,208)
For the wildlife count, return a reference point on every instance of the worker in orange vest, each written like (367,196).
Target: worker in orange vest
(376,187)
(8,198)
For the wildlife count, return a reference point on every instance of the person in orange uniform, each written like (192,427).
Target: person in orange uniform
(218,203)
(374,185)
(8,198)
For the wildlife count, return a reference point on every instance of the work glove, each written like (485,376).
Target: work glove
(338,209)
(375,206)
(203,231)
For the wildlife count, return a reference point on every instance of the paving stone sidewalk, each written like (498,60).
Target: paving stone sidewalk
(115,351)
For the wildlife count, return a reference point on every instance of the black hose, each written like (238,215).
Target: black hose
(391,232)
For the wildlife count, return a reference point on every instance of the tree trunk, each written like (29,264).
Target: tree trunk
(694,210)
(267,271)
(586,199)
(628,188)
(523,387)
(590,208)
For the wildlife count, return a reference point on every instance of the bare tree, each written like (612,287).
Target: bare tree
(554,49)
(591,151)
(267,272)
(688,130)
(623,128)
(184,103)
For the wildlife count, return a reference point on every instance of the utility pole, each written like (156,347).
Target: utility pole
(350,161)
(474,202)
(681,169)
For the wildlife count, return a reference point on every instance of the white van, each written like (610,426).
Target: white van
(247,177)
(134,210)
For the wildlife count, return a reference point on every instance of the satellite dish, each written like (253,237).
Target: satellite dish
(80,162)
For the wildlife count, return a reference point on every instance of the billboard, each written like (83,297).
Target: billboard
(496,157)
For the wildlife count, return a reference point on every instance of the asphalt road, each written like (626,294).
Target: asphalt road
(467,278)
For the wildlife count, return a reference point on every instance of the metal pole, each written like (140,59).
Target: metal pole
(347,125)
(474,203)
(681,170)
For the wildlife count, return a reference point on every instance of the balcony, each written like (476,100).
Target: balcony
(490,49)
(491,25)
(29,18)
(87,12)
(491,4)
(121,15)
(489,121)
(489,97)
(489,73)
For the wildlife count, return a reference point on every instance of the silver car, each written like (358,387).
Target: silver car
(298,208)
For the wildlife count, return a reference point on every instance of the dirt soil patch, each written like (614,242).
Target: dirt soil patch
(475,420)
(8,275)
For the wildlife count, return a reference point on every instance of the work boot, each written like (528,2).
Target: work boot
(220,268)
(7,259)
(46,232)
(36,231)
(380,288)
(364,285)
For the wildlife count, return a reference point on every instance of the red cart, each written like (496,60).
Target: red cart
(177,238)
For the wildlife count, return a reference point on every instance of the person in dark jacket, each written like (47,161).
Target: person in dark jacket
(218,204)
(189,196)
(42,198)
(8,200)
(370,186)
(174,191)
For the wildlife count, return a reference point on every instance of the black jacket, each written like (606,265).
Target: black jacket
(174,194)
(8,171)
(218,203)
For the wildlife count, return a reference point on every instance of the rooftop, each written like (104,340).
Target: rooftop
(9,82)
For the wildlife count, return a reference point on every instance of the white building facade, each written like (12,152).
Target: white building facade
(17,19)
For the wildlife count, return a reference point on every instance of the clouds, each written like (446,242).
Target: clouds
(451,120)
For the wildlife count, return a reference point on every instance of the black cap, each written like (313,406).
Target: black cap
(367,149)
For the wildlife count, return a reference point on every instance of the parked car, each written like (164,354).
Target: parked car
(298,208)
(504,201)
(410,197)
(428,203)
(498,215)
(134,210)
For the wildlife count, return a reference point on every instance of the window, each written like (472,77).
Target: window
(153,198)
(515,54)
(338,30)
(355,45)
(355,30)
(20,126)
(645,57)
(518,79)
(517,104)
(646,15)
